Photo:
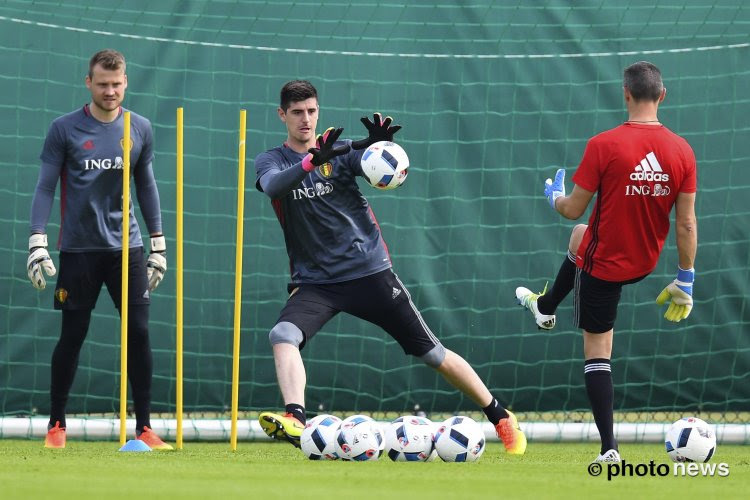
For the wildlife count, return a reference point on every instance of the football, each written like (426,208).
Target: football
(459,439)
(409,439)
(690,439)
(385,165)
(318,440)
(359,439)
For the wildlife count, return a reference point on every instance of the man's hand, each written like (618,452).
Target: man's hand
(553,190)
(157,261)
(325,151)
(681,293)
(378,130)
(39,260)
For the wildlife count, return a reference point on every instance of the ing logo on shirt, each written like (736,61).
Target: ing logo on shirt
(326,169)
(320,189)
(102,164)
(648,170)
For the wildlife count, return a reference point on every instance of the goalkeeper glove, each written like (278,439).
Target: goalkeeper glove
(39,260)
(681,293)
(325,151)
(553,190)
(378,130)
(157,261)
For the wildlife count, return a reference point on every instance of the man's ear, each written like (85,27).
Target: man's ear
(282,114)
(626,94)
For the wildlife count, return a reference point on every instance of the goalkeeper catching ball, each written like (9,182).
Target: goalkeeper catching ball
(340,263)
(639,170)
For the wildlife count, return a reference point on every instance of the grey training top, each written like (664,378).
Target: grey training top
(329,228)
(87,155)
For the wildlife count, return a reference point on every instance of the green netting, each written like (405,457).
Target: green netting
(492,96)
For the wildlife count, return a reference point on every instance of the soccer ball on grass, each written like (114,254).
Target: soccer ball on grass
(690,439)
(459,439)
(359,439)
(318,440)
(409,439)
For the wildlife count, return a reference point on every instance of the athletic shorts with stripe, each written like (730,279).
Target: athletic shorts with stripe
(596,301)
(83,273)
(380,298)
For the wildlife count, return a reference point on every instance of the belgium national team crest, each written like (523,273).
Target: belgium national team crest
(61,295)
(326,169)
(122,143)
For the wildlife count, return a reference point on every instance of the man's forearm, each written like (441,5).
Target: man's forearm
(687,243)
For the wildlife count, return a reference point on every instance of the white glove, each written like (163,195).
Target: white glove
(157,262)
(39,259)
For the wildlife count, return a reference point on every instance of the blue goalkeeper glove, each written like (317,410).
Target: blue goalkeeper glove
(681,293)
(553,190)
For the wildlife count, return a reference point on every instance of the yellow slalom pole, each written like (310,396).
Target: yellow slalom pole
(179,278)
(124,278)
(238,280)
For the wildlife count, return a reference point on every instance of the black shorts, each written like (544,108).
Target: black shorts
(380,298)
(596,301)
(83,273)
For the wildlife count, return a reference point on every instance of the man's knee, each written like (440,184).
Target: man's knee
(576,236)
(286,333)
(434,357)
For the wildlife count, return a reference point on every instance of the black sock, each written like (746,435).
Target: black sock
(297,412)
(495,412)
(598,376)
(564,281)
(75,325)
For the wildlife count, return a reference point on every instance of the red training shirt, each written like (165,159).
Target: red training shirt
(637,171)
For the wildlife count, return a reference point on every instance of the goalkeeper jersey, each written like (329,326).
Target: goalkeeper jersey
(637,171)
(330,230)
(86,155)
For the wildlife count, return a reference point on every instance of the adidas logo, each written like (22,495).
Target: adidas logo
(396,293)
(649,170)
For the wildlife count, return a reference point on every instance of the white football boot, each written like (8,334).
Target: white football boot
(609,456)
(528,299)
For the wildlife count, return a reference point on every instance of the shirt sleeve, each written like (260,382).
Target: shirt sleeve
(690,181)
(145,183)
(274,181)
(53,159)
(354,159)
(589,172)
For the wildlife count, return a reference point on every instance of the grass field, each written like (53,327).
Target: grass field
(276,470)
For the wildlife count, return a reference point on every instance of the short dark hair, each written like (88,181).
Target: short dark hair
(109,59)
(294,91)
(643,80)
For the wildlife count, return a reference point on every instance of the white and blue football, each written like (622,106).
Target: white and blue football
(690,439)
(385,165)
(410,439)
(359,439)
(459,439)
(318,440)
